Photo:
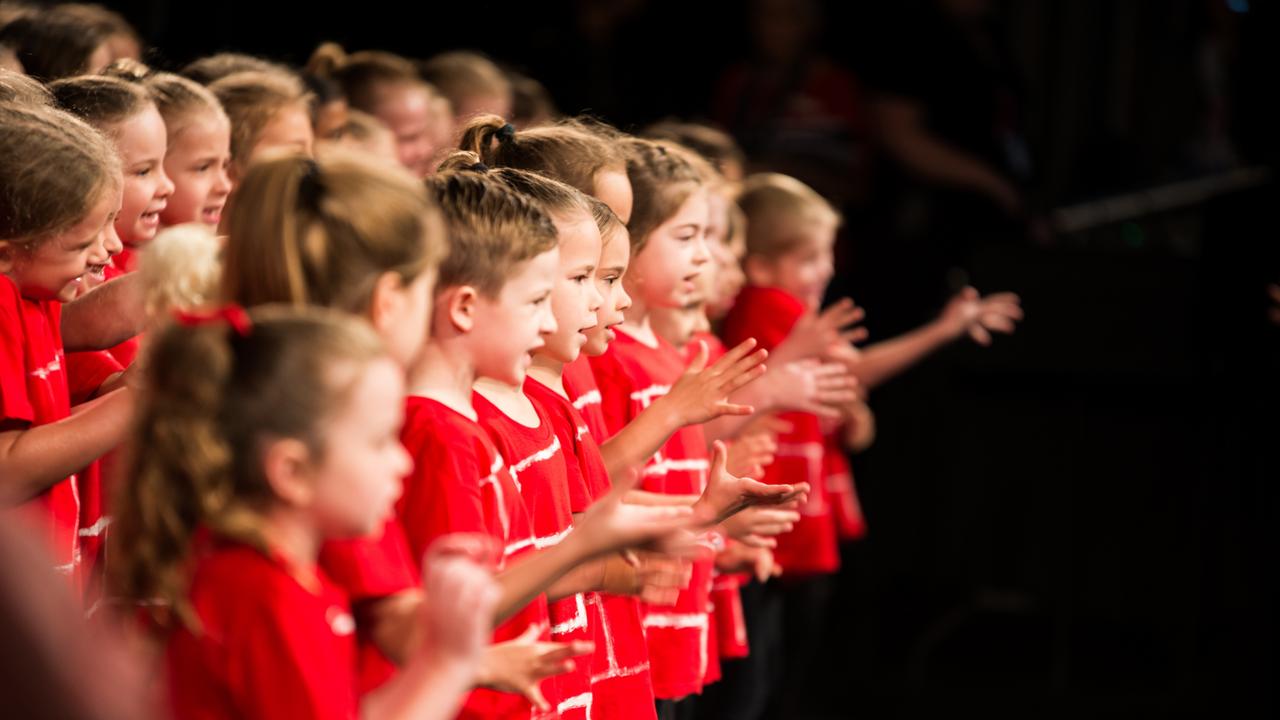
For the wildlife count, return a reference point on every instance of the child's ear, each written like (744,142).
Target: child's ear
(386,306)
(758,270)
(286,465)
(460,307)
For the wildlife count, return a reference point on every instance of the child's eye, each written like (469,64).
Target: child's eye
(143,172)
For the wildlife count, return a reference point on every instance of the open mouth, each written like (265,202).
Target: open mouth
(150,218)
(211,215)
(97,272)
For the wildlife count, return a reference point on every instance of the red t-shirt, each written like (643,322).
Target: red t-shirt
(369,569)
(460,483)
(631,375)
(580,384)
(620,680)
(33,392)
(536,459)
(268,647)
(768,314)
(843,494)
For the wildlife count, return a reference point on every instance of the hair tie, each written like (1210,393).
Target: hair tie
(309,186)
(478,167)
(506,133)
(233,315)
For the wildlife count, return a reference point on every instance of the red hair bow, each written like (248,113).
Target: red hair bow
(233,315)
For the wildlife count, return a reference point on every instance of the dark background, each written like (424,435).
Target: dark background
(1078,521)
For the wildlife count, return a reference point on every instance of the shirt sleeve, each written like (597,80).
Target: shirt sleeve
(15,406)
(86,371)
(442,495)
(372,567)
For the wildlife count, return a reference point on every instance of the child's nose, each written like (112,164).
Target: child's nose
(594,298)
(111,240)
(222,184)
(701,254)
(548,325)
(166,185)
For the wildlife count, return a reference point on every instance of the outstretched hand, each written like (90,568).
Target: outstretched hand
(978,316)
(815,334)
(519,665)
(610,524)
(461,596)
(727,495)
(702,393)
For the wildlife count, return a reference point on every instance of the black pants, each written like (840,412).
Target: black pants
(682,709)
(785,622)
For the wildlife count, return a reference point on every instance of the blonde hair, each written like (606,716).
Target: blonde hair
(774,205)
(251,100)
(607,221)
(321,232)
(103,102)
(53,169)
(181,269)
(492,229)
(22,90)
(462,74)
(212,398)
(568,151)
(364,128)
(364,76)
(662,179)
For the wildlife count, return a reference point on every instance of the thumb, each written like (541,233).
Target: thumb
(700,359)
(718,459)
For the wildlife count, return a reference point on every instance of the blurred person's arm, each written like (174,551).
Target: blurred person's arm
(105,316)
(900,123)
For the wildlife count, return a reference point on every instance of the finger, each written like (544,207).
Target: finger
(630,558)
(748,363)
(999,324)
(758,541)
(980,335)
(1004,298)
(738,352)
(699,359)
(719,456)
(727,408)
(533,694)
(530,635)
(731,383)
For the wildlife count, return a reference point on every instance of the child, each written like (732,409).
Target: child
(491,311)
(367,133)
(126,113)
(198,151)
(473,84)
(270,113)
(62,186)
(261,437)
(22,90)
(211,68)
(389,88)
(58,42)
(666,227)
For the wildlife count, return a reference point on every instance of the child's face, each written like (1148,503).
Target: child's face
(665,271)
(575,298)
(288,132)
(613,188)
(406,111)
(357,478)
(510,327)
(197,162)
(806,270)
(141,142)
(614,300)
(330,119)
(56,268)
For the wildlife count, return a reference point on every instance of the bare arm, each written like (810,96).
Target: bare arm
(105,316)
(34,459)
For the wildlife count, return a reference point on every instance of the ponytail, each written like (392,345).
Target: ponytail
(215,392)
(570,151)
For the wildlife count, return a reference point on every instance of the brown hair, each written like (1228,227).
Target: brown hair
(492,229)
(774,205)
(461,74)
(364,76)
(53,169)
(103,102)
(710,143)
(554,196)
(23,90)
(568,151)
(212,398)
(177,98)
(607,221)
(55,43)
(208,70)
(661,179)
(251,100)
(363,127)
(307,232)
